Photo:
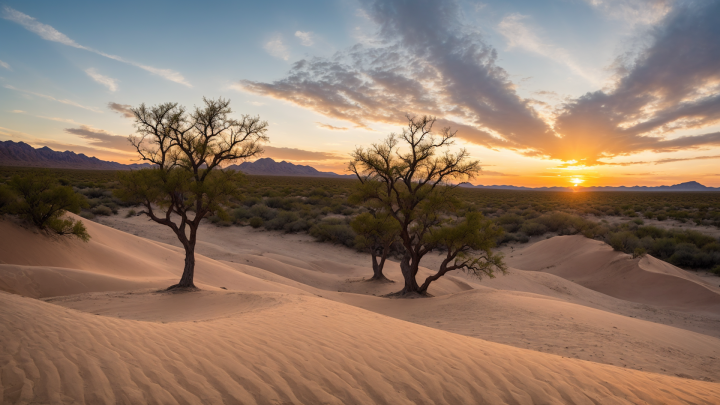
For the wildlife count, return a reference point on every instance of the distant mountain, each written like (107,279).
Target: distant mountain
(22,154)
(269,167)
(687,186)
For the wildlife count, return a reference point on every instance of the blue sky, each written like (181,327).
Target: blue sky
(542,92)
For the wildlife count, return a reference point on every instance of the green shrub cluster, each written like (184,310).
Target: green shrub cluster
(683,248)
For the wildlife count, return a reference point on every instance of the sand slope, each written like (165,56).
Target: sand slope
(594,265)
(293,349)
(295,323)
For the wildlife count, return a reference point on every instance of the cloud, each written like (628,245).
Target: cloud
(306,38)
(671,160)
(108,82)
(496,174)
(49,33)
(122,109)
(5,65)
(51,98)
(520,35)
(299,154)
(439,67)
(633,11)
(18,111)
(101,138)
(673,85)
(331,127)
(277,48)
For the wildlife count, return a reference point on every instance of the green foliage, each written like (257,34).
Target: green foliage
(683,248)
(639,252)
(256,222)
(333,230)
(39,198)
(374,230)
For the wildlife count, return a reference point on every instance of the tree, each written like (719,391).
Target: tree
(376,231)
(39,198)
(409,176)
(468,244)
(187,182)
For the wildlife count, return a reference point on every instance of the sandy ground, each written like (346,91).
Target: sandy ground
(283,319)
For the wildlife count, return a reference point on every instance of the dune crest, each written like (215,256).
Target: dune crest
(594,265)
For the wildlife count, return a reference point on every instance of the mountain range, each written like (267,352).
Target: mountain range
(22,154)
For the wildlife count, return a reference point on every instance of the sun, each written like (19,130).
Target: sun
(576,181)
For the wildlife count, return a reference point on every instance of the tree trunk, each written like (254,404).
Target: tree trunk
(186,281)
(409,269)
(378,266)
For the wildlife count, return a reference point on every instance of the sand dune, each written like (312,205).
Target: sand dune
(295,323)
(292,349)
(596,266)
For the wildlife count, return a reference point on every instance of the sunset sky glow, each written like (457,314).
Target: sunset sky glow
(543,93)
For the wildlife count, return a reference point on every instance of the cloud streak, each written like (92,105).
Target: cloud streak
(331,127)
(520,35)
(49,33)
(101,138)
(51,98)
(122,109)
(106,81)
(5,65)
(300,154)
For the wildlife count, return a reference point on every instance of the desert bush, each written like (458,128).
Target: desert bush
(131,213)
(102,210)
(511,222)
(256,222)
(624,241)
(532,228)
(41,200)
(263,211)
(639,252)
(281,219)
(335,231)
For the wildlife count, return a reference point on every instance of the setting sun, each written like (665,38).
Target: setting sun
(576,181)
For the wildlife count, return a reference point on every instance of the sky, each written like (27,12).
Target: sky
(541,92)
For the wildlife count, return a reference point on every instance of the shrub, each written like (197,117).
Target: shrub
(335,231)
(281,219)
(624,241)
(256,222)
(263,211)
(42,201)
(510,222)
(532,228)
(102,210)
(639,252)
(716,270)
(131,213)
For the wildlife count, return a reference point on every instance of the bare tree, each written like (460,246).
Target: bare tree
(187,182)
(409,175)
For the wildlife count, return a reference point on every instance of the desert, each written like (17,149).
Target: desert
(284,319)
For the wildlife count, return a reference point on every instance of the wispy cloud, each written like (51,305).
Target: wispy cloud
(101,138)
(106,81)
(521,35)
(51,98)
(277,48)
(672,160)
(122,109)
(634,11)
(49,33)
(306,38)
(331,127)
(300,154)
(18,111)
(5,65)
